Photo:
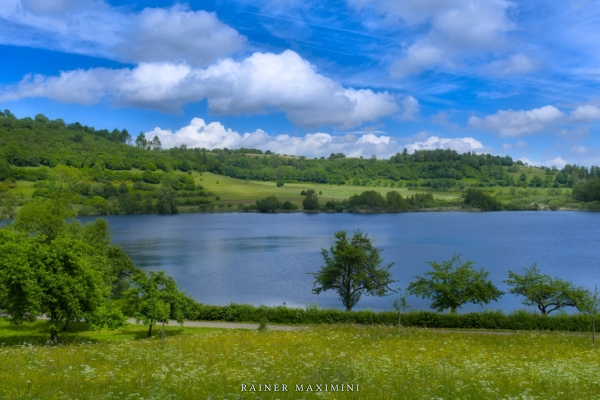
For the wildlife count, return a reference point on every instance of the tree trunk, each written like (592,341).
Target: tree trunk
(67,326)
(163,333)
(150,331)
(54,336)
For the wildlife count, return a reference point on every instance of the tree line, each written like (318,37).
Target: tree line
(39,142)
(353,269)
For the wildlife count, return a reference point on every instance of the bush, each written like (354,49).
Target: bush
(518,320)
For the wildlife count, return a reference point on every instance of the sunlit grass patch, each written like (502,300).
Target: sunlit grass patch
(418,364)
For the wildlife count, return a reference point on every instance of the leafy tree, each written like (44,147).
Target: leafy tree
(44,216)
(587,191)
(270,204)
(167,201)
(589,305)
(141,142)
(56,278)
(353,269)
(452,284)
(156,298)
(289,206)
(546,293)
(476,198)
(311,201)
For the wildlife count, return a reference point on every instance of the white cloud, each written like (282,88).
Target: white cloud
(454,29)
(54,7)
(261,83)
(520,144)
(585,113)
(215,135)
(557,162)
(506,146)
(515,64)
(198,37)
(510,123)
(410,109)
(92,27)
(579,149)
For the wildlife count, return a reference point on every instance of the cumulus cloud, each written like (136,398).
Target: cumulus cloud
(198,37)
(261,83)
(454,28)
(585,113)
(516,64)
(92,27)
(214,135)
(511,123)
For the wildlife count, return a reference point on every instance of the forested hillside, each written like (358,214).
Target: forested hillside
(123,174)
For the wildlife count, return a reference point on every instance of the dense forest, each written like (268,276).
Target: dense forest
(123,174)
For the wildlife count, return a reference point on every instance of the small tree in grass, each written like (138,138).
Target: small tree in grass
(546,293)
(353,269)
(155,298)
(452,284)
(589,304)
(400,305)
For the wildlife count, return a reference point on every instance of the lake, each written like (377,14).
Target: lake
(259,259)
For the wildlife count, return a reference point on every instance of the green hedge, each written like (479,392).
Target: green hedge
(518,320)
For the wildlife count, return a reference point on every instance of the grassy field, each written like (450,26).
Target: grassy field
(202,364)
(235,191)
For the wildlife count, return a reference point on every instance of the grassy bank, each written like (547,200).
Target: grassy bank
(200,364)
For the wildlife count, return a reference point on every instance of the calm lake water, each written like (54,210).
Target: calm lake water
(263,259)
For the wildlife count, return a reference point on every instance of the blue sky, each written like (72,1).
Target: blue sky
(310,78)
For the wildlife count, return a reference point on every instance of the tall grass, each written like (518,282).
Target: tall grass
(417,364)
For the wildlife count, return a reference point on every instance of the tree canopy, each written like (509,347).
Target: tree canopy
(453,283)
(156,298)
(353,269)
(542,291)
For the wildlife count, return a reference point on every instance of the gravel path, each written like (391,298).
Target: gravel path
(230,325)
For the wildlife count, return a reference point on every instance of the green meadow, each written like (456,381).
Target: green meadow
(378,361)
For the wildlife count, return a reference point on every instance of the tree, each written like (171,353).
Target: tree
(589,305)
(311,201)
(141,141)
(156,298)
(476,198)
(353,269)
(166,201)
(270,204)
(546,293)
(400,305)
(56,278)
(452,284)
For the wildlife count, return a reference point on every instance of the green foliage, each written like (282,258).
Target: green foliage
(167,201)
(353,269)
(542,291)
(4,169)
(268,205)
(44,216)
(476,198)
(311,201)
(156,298)
(517,320)
(57,279)
(452,284)
(587,191)
(106,316)
(589,305)
(289,206)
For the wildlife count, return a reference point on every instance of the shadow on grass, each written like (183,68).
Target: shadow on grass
(38,333)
